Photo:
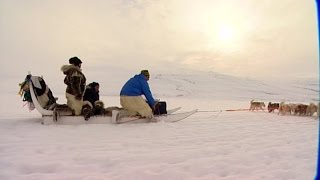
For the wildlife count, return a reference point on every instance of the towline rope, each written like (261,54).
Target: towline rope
(204,111)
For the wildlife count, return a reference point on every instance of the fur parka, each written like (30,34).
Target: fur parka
(75,80)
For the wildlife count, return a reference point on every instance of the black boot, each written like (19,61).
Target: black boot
(98,110)
(86,112)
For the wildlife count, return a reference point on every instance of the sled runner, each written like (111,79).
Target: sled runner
(161,118)
(54,117)
(107,119)
(170,111)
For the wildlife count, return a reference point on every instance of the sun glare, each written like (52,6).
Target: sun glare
(225,34)
(223,37)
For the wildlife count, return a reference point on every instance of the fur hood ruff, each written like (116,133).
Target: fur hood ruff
(66,68)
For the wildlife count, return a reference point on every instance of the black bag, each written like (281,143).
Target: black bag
(161,108)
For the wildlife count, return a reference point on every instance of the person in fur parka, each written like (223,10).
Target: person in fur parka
(92,96)
(76,82)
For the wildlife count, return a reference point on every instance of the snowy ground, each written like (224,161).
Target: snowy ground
(208,145)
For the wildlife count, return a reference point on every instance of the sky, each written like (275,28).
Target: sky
(248,38)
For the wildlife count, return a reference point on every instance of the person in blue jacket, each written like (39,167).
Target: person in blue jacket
(131,96)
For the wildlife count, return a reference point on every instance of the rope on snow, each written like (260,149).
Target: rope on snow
(218,112)
(224,110)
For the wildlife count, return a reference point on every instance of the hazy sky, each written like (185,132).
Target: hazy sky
(250,38)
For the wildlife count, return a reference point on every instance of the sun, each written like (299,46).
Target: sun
(225,34)
(224,37)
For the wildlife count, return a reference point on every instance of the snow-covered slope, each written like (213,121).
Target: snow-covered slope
(222,87)
(208,85)
(211,144)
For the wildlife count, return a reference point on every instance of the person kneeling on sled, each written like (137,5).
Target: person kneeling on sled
(92,104)
(76,82)
(131,96)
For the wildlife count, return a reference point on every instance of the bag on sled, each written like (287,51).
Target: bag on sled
(161,108)
(41,90)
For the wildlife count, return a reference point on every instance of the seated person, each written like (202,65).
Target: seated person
(91,100)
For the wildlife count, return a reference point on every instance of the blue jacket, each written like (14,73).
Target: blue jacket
(138,86)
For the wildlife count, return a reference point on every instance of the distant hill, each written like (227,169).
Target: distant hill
(212,85)
(208,85)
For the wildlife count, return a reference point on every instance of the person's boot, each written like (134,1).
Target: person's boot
(86,112)
(99,108)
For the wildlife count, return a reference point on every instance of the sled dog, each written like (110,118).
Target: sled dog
(311,109)
(284,108)
(254,105)
(301,109)
(272,107)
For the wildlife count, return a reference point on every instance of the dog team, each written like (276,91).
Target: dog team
(284,108)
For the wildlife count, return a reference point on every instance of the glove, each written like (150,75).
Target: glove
(155,106)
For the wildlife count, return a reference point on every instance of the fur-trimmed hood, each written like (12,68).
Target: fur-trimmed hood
(68,68)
